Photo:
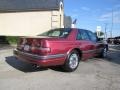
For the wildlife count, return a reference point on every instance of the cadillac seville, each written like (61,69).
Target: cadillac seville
(64,47)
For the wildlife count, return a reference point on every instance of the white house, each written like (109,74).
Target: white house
(30,17)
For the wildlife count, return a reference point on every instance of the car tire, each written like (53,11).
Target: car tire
(72,61)
(103,54)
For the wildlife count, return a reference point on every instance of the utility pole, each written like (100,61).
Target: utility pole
(105,34)
(111,25)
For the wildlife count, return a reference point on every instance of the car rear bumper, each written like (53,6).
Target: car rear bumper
(49,60)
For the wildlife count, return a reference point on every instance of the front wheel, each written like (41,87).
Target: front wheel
(103,54)
(72,61)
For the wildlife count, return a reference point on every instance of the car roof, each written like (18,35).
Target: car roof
(74,29)
(84,30)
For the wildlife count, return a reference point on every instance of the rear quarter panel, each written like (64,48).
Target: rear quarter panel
(61,47)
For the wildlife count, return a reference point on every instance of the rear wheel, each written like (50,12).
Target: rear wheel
(72,61)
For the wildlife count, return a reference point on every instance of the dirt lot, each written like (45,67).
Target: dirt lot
(94,74)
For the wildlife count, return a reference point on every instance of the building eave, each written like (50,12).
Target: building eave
(27,10)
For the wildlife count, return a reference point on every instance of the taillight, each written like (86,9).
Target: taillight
(35,45)
(44,50)
(38,47)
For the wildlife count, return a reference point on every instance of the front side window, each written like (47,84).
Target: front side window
(61,32)
(92,36)
(84,35)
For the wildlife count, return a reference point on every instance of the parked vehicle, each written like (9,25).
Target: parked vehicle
(110,40)
(117,40)
(65,47)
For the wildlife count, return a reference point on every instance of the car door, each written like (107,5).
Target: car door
(93,39)
(85,44)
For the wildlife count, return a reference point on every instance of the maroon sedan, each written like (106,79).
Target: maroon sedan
(65,47)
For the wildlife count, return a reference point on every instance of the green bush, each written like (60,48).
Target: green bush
(12,39)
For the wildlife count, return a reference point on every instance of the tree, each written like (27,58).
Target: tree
(101,33)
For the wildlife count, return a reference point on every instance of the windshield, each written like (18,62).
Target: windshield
(61,32)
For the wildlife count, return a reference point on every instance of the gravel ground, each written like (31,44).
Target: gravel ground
(94,74)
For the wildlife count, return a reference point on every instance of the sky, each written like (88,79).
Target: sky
(93,13)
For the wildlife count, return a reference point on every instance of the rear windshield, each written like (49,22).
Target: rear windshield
(61,32)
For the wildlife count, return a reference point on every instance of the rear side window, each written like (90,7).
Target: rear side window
(79,37)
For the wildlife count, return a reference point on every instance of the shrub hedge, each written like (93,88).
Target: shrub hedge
(12,39)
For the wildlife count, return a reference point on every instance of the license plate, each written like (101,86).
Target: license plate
(26,47)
